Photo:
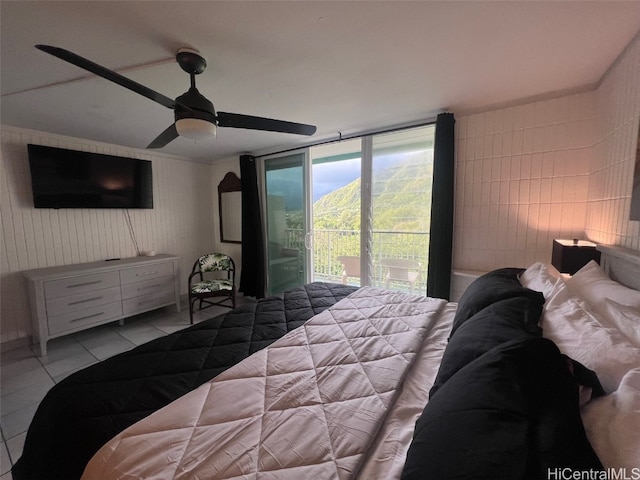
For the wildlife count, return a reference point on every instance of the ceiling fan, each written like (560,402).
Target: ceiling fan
(195,116)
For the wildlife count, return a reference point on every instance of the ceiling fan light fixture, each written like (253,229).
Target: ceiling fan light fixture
(195,128)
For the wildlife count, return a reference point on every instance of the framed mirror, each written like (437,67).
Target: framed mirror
(230,208)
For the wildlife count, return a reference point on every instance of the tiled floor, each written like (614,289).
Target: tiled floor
(26,377)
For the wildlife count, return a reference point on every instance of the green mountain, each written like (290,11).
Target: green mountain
(340,209)
(401,201)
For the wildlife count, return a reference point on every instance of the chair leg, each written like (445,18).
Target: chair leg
(191,302)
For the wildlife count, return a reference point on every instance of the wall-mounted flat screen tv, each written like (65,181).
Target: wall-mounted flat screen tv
(63,178)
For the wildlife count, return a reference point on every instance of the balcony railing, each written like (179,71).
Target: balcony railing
(328,245)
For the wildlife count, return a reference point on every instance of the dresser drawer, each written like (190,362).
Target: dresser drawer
(81,301)
(84,318)
(137,289)
(146,272)
(62,287)
(148,302)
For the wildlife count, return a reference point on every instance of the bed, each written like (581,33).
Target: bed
(528,374)
(85,410)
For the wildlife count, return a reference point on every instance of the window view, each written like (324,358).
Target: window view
(336,171)
(401,208)
(398,214)
(377,235)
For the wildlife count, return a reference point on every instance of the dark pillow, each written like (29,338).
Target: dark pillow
(511,413)
(500,322)
(489,288)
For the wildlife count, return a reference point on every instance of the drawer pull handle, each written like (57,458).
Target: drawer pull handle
(84,284)
(88,316)
(84,301)
(148,287)
(145,273)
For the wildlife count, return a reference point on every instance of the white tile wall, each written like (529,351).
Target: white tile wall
(181,221)
(618,103)
(522,177)
(557,168)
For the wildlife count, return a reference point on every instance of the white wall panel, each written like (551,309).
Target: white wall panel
(521,181)
(611,179)
(181,222)
(557,168)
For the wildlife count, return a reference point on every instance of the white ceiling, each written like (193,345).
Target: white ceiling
(346,67)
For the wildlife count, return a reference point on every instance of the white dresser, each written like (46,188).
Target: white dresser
(71,298)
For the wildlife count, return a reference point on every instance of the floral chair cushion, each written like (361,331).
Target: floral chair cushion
(209,286)
(214,262)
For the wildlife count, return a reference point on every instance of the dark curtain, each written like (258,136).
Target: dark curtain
(252,279)
(442,196)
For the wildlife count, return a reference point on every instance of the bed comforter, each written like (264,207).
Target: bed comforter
(84,411)
(307,406)
(336,398)
(339,398)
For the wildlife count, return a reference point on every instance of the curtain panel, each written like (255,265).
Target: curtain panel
(442,198)
(252,278)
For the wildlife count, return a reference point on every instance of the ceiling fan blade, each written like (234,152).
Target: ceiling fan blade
(237,120)
(103,72)
(165,137)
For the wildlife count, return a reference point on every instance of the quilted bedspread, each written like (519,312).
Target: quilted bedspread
(88,408)
(307,406)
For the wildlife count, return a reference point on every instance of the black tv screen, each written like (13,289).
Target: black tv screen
(71,179)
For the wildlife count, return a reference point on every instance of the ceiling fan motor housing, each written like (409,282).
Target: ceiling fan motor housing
(199,106)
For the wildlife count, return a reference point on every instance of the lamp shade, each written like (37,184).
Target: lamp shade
(195,128)
(569,256)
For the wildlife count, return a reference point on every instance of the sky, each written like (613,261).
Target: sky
(330,176)
(327,177)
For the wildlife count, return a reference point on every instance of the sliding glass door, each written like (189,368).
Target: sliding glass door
(354,212)
(286,221)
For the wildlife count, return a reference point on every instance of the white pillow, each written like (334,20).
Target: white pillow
(580,334)
(612,424)
(624,318)
(593,285)
(541,278)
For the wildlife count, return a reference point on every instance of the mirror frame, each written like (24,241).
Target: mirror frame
(229,184)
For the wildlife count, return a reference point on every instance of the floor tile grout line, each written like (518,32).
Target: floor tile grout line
(38,357)
(135,344)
